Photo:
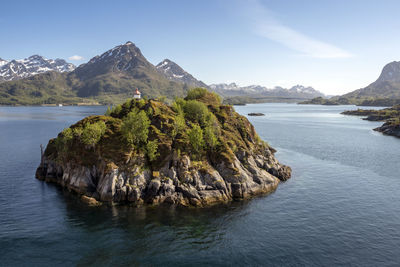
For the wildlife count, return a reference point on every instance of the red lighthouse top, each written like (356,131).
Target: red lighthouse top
(137,92)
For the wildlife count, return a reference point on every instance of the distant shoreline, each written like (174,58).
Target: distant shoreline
(56,105)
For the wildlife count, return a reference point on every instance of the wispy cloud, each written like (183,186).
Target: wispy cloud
(76,58)
(264,24)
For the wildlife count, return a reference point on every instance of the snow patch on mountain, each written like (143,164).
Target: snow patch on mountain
(174,72)
(24,68)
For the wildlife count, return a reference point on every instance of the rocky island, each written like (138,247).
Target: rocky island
(391,116)
(196,152)
(256,114)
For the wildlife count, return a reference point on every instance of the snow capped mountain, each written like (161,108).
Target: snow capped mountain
(111,76)
(305,90)
(174,72)
(123,59)
(224,86)
(125,52)
(23,68)
(233,89)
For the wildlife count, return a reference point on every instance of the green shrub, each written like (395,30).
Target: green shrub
(151,148)
(77,131)
(64,140)
(162,98)
(149,112)
(212,121)
(210,137)
(196,139)
(92,132)
(108,112)
(116,110)
(178,105)
(196,111)
(179,125)
(196,93)
(141,103)
(203,95)
(135,127)
(67,135)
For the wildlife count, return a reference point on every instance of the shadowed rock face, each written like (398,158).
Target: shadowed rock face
(178,182)
(113,172)
(389,128)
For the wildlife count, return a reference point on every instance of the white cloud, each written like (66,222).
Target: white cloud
(267,26)
(76,58)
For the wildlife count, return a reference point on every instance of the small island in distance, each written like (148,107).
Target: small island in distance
(256,114)
(196,152)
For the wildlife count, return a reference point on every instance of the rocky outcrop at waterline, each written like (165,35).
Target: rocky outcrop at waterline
(390,127)
(196,152)
(391,116)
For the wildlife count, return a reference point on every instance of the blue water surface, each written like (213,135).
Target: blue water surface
(341,206)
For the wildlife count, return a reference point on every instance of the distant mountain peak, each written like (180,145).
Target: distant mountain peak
(36,57)
(128,50)
(124,58)
(174,72)
(386,86)
(35,64)
(390,72)
(168,66)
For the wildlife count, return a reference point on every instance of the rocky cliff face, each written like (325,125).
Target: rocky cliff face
(177,182)
(239,165)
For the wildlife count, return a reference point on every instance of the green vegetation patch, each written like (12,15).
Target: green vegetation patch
(151,131)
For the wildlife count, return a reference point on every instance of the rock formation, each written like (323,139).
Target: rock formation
(226,160)
(391,116)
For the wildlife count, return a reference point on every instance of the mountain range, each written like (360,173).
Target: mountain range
(23,68)
(112,77)
(107,78)
(232,89)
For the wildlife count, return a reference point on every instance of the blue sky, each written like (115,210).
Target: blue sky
(334,46)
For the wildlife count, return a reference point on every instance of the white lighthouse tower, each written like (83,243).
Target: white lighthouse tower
(136,94)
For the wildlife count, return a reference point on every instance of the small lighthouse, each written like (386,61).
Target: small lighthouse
(136,94)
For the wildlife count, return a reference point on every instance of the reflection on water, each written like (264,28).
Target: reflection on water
(341,206)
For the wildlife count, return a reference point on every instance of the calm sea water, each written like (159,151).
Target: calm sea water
(341,207)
